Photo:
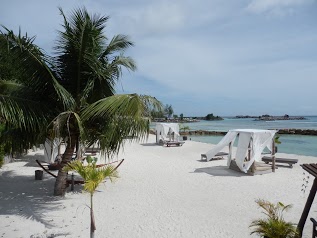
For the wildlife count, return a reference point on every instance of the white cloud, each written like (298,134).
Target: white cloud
(276,7)
(201,54)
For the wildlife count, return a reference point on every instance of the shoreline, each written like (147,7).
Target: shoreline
(280,131)
(293,131)
(161,192)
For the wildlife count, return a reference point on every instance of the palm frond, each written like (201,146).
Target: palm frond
(22,113)
(118,43)
(64,121)
(8,86)
(92,175)
(119,117)
(124,105)
(78,48)
(34,66)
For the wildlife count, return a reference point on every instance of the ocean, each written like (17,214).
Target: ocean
(291,144)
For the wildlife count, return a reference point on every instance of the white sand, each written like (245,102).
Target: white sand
(161,192)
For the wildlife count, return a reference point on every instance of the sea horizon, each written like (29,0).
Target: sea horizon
(291,144)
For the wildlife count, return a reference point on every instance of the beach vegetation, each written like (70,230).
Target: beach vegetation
(168,110)
(72,93)
(274,225)
(22,117)
(277,140)
(183,128)
(211,117)
(92,176)
(157,113)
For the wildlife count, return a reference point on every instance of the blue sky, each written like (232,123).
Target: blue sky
(233,57)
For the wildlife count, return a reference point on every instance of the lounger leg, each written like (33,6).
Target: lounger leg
(73,182)
(307,207)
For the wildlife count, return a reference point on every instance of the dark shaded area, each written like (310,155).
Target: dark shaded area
(220,171)
(24,196)
(150,144)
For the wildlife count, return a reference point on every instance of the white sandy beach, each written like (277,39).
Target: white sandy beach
(161,192)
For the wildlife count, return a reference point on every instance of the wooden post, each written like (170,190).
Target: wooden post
(230,151)
(52,151)
(73,182)
(249,151)
(273,155)
(309,202)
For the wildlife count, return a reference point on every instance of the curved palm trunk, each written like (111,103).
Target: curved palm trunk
(92,218)
(61,180)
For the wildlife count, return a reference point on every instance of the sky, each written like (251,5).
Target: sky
(233,57)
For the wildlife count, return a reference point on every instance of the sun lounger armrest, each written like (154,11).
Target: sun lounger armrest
(203,157)
(314,227)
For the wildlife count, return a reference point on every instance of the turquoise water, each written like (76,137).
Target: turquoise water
(250,123)
(291,144)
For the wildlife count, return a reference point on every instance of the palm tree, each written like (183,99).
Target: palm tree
(76,88)
(92,176)
(27,92)
(274,226)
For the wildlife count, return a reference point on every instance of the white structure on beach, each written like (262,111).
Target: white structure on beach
(167,131)
(54,149)
(51,148)
(251,143)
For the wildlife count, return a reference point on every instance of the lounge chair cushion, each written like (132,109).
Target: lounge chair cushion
(290,162)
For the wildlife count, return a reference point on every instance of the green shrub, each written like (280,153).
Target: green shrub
(274,226)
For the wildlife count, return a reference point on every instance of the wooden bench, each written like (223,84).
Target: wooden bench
(290,162)
(217,156)
(176,143)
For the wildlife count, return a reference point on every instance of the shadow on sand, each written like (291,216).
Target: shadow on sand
(30,160)
(26,197)
(150,144)
(220,171)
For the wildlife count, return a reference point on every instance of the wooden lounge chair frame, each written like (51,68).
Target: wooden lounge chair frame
(290,162)
(217,156)
(314,227)
(176,143)
(70,181)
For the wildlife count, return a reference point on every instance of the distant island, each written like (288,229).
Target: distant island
(267,117)
(176,120)
(209,117)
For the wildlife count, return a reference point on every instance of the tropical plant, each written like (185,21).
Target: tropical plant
(73,91)
(92,176)
(157,113)
(168,110)
(24,110)
(277,140)
(184,128)
(274,226)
